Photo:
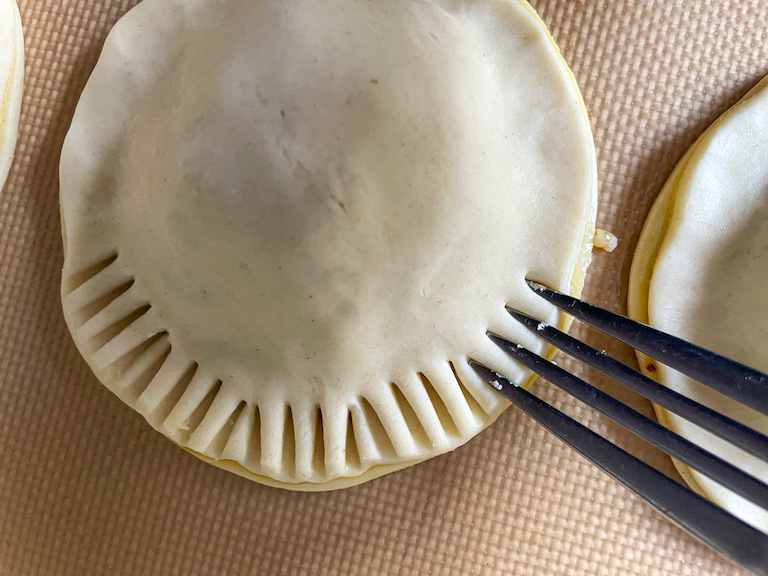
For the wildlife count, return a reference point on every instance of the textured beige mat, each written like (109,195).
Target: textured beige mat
(87,488)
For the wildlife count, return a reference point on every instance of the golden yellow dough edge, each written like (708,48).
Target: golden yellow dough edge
(649,244)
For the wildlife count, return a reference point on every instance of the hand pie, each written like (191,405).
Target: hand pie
(11,82)
(701,272)
(289,225)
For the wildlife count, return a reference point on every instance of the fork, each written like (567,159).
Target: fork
(725,533)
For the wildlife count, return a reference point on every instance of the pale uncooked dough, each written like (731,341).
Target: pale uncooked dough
(288,225)
(11,82)
(701,272)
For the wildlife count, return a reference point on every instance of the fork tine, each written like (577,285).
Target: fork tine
(716,468)
(726,428)
(723,532)
(727,376)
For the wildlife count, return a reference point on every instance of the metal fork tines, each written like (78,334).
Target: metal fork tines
(727,534)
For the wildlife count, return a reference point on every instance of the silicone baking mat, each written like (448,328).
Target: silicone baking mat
(87,488)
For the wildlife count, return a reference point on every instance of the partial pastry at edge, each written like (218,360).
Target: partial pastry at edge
(11,82)
(699,272)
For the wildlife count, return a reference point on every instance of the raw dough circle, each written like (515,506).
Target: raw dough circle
(701,272)
(11,82)
(289,225)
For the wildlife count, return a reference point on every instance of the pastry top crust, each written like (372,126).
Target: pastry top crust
(289,225)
